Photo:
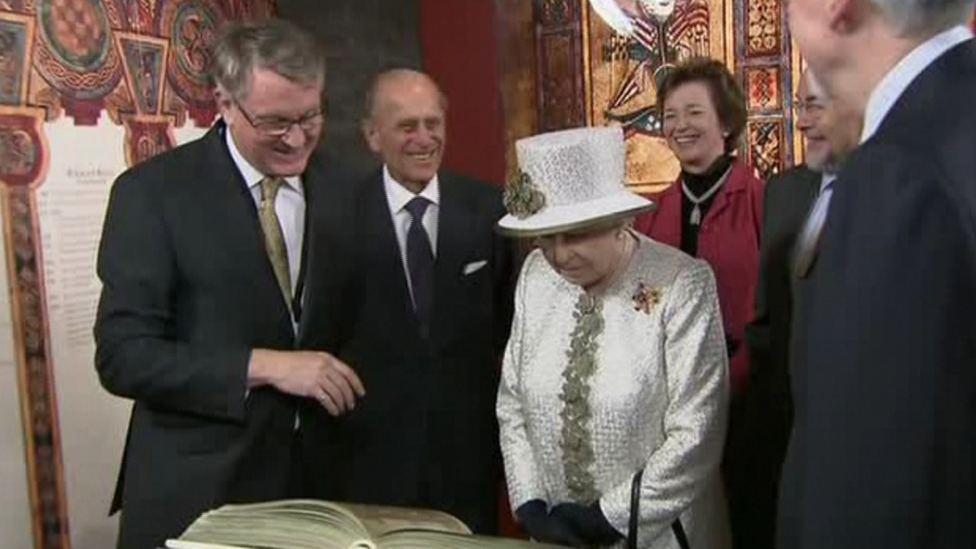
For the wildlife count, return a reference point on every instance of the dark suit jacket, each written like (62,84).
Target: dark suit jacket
(188,292)
(766,404)
(883,452)
(425,434)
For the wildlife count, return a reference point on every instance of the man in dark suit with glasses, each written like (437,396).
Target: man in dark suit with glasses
(216,305)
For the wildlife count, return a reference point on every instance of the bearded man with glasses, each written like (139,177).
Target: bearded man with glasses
(218,300)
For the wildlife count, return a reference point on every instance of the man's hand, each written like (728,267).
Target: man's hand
(310,374)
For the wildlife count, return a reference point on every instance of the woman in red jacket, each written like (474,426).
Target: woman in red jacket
(714,211)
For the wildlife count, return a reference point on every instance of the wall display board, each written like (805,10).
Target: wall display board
(87,89)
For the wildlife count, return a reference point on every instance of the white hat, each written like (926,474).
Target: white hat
(569,179)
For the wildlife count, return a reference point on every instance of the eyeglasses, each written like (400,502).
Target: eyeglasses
(277,127)
(810,107)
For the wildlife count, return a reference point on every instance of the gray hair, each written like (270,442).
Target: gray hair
(919,18)
(272,44)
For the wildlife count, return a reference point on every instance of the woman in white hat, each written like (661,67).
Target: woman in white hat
(612,404)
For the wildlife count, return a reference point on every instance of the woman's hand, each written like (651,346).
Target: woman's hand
(535,521)
(587,522)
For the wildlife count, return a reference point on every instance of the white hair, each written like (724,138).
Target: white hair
(916,18)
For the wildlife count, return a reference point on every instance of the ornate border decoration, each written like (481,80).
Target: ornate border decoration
(559,64)
(768,72)
(25,159)
(16,48)
(80,58)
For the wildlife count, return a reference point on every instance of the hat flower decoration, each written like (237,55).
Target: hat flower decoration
(523,199)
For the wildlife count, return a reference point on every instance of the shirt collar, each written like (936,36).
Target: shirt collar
(826,179)
(251,174)
(894,84)
(400,195)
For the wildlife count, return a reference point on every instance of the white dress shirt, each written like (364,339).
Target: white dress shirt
(397,197)
(887,92)
(289,206)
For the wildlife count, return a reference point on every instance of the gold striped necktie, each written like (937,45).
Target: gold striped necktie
(274,241)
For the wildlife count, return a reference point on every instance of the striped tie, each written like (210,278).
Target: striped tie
(274,241)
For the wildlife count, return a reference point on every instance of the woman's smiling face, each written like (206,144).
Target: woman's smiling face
(692,127)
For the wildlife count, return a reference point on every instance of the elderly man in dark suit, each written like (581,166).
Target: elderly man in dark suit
(217,299)
(432,303)
(830,132)
(883,358)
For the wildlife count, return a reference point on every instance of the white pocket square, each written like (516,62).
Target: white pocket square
(474,266)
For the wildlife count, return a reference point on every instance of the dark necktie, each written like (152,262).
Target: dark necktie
(420,261)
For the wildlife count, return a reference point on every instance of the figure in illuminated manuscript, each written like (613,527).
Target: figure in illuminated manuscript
(9,66)
(17,153)
(632,45)
(661,34)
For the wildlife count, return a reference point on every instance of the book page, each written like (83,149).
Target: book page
(446,540)
(184,544)
(288,524)
(380,520)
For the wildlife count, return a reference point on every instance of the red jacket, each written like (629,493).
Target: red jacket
(729,241)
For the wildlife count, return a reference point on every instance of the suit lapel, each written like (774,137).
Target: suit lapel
(454,232)
(315,186)
(809,180)
(812,181)
(384,249)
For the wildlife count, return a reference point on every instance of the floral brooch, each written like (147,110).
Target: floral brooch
(646,297)
(522,198)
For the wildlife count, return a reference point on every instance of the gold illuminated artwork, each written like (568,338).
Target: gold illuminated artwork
(623,72)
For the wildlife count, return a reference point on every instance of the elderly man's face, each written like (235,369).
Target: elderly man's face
(408,129)
(831,130)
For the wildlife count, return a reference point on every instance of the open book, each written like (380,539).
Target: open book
(313,524)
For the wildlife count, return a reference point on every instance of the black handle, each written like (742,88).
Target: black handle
(676,526)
